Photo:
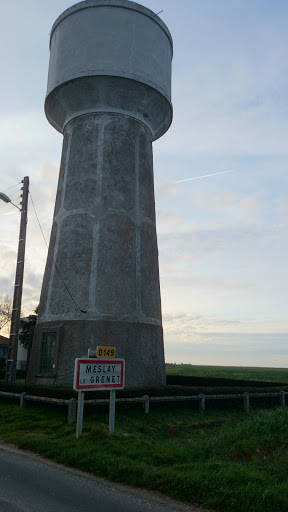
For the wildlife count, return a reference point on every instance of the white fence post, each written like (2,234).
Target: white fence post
(246,402)
(23,402)
(146,403)
(72,406)
(202,404)
(282,398)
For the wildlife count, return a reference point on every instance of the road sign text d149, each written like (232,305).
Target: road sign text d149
(105,352)
(92,374)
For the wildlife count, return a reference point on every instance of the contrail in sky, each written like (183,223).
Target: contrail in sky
(205,176)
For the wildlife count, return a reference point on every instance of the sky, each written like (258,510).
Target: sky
(222,239)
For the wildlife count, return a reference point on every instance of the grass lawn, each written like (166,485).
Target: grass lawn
(229,372)
(227,461)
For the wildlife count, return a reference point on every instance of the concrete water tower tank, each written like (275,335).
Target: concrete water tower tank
(109,94)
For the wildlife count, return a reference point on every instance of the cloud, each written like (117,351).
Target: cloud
(223,240)
(214,201)
(186,325)
(281,206)
(232,97)
(234,135)
(230,349)
(26,150)
(221,323)
(167,190)
(252,206)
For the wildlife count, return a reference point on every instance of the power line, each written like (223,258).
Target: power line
(15,194)
(18,204)
(13,186)
(10,202)
(54,263)
(5,212)
(4,206)
(11,196)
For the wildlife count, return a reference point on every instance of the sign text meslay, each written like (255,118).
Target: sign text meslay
(93,374)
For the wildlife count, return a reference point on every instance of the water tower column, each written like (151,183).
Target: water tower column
(110,101)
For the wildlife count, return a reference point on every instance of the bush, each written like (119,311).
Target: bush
(182,380)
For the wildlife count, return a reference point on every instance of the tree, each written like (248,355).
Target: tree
(27,327)
(5,310)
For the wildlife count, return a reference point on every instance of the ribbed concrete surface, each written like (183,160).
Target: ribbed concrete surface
(105,247)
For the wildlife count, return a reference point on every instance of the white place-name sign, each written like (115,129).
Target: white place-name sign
(93,374)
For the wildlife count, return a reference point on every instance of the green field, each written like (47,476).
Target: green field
(229,372)
(226,461)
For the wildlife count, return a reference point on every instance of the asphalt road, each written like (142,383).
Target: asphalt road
(31,484)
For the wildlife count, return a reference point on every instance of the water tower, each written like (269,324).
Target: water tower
(109,94)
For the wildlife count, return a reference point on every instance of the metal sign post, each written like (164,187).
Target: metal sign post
(80,411)
(95,373)
(112,411)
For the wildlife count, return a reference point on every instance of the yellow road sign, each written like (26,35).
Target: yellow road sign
(105,352)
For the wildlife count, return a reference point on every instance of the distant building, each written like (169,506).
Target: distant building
(21,357)
(22,352)
(3,347)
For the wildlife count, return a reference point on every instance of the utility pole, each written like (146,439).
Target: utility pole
(16,308)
